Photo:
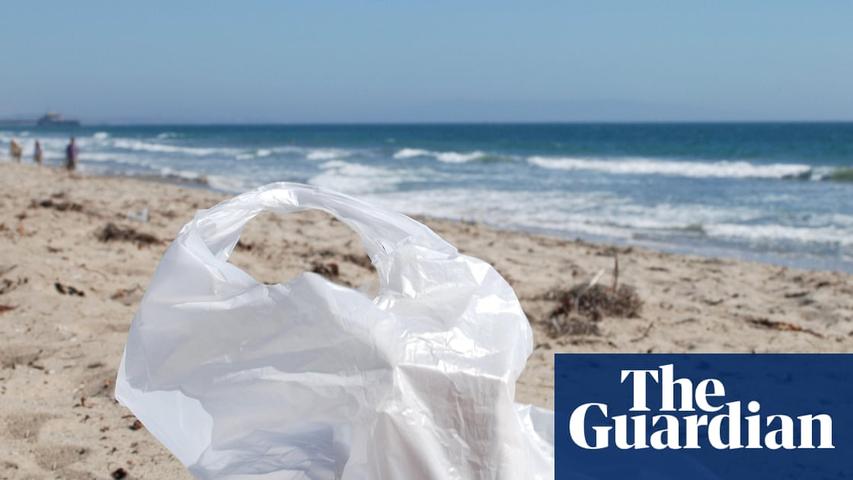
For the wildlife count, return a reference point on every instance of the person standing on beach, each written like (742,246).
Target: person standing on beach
(71,155)
(15,150)
(37,153)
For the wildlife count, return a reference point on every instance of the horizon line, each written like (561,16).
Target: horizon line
(452,122)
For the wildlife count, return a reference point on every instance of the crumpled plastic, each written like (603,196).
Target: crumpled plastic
(312,380)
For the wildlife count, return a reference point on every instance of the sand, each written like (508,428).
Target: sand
(59,351)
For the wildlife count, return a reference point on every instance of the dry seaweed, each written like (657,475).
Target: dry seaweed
(781,326)
(582,306)
(7,285)
(61,206)
(598,301)
(128,296)
(571,324)
(362,261)
(329,270)
(68,290)
(244,246)
(112,232)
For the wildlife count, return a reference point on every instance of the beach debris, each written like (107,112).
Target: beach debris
(98,384)
(68,290)
(136,425)
(612,251)
(571,324)
(329,270)
(244,246)
(112,232)
(325,253)
(36,366)
(598,301)
(128,296)
(7,308)
(580,308)
(7,285)
(780,326)
(362,261)
(140,216)
(645,334)
(61,206)
(615,272)
(119,473)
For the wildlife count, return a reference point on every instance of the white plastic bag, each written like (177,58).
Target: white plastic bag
(312,380)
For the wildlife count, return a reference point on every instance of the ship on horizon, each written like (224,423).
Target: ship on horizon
(54,119)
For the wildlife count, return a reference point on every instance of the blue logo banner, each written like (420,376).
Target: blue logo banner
(703,416)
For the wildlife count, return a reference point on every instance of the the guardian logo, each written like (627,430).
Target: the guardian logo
(691,416)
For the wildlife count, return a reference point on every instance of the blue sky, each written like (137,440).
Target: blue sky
(375,61)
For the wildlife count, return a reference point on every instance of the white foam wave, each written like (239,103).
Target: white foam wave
(101,135)
(89,156)
(259,153)
(314,154)
(187,175)
(647,166)
(411,153)
(603,214)
(229,183)
(326,153)
(446,157)
(356,178)
(138,145)
(539,211)
(776,233)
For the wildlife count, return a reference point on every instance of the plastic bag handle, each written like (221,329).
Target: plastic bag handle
(381,230)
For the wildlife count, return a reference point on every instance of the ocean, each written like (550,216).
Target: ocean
(772,192)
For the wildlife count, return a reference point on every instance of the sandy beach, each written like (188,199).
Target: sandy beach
(73,267)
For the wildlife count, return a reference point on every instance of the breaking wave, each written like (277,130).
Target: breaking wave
(446,157)
(648,166)
(142,146)
(357,178)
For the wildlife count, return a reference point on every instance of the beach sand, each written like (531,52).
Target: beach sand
(59,351)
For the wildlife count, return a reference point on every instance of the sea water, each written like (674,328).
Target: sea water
(775,192)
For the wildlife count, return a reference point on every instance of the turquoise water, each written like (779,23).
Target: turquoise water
(780,193)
